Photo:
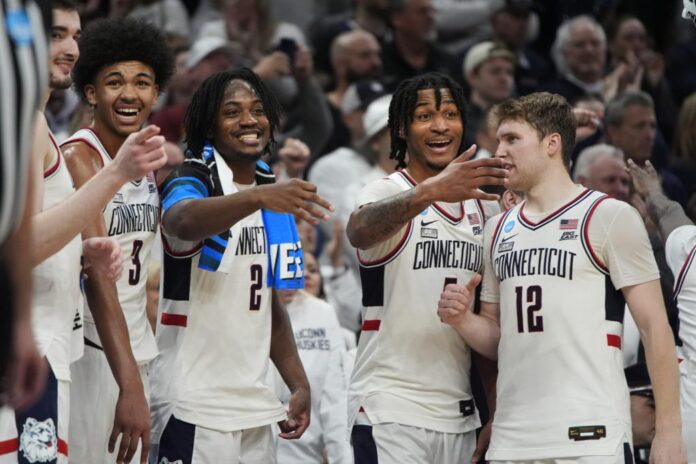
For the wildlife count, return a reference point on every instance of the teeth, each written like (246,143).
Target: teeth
(128,112)
(249,137)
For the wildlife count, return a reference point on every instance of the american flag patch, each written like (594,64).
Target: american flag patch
(473,219)
(569,224)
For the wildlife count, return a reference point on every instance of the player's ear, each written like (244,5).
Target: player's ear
(157,94)
(91,94)
(554,144)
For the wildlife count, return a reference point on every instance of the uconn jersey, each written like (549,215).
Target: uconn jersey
(411,368)
(561,388)
(56,297)
(213,328)
(131,217)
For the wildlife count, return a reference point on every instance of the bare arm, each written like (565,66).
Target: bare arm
(57,226)
(668,214)
(646,306)
(132,417)
(195,220)
(287,360)
(460,180)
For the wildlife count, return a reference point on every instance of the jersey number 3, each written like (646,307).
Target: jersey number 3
(134,273)
(535,322)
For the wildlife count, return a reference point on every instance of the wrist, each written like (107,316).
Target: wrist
(425,193)
(113,175)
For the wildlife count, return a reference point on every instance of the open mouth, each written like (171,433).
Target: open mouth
(127,112)
(250,138)
(439,145)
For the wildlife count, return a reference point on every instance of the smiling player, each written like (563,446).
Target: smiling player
(122,68)
(416,230)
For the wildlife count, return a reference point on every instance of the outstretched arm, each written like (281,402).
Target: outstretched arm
(55,227)
(461,180)
(287,360)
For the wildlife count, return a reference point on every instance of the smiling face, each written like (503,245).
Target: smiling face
(435,134)
(63,50)
(122,95)
(242,129)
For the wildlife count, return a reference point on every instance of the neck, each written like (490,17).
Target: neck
(420,172)
(478,100)
(111,141)
(337,94)
(413,50)
(555,188)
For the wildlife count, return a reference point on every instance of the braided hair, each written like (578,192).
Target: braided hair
(403,104)
(202,113)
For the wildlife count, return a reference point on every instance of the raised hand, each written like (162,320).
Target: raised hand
(141,153)
(455,301)
(645,179)
(296,197)
(462,179)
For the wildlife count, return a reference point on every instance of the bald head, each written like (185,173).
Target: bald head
(355,55)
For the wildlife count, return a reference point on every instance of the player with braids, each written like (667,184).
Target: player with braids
(412,402)
(124,64)
(404,102)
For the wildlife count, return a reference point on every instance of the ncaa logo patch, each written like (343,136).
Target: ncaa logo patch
(38,441)
(164,460)
(508,226)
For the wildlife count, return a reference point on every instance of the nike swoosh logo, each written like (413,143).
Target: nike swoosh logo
(508,238)
(423,223)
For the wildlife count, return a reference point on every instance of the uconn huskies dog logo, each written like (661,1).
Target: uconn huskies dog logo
(38,441)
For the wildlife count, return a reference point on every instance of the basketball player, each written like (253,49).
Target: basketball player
(122,67)
(679,233)
(558,269)
(219,319)
(416,230)
(57,250)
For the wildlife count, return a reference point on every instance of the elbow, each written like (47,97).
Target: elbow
(182,226)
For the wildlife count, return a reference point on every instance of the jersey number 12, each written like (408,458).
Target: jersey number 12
(535,322)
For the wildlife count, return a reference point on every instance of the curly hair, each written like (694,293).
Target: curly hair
(202,113)
(403,104)
(547,113)
(108,41)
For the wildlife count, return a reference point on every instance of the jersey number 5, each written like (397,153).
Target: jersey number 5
(535,322)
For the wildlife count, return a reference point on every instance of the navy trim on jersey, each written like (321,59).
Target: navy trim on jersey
(393,253)
(498,228)
(549,218)
(614,302)
(176,443)
(364,447)
(50,171)
(176,277)
(585,237)
(372,279)
(679,281)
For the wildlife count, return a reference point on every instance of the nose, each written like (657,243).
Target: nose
(438,123)
(247,119)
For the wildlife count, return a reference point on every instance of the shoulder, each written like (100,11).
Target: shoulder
(82,159)
(679,245)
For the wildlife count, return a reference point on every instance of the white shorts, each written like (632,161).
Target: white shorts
(623,456)
(688,410)
(403,444)
(39,434)
(94,395)
(185,443)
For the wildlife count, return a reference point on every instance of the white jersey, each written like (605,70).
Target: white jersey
(322,352)
(131,217)
(561,389)
(214,333)
(680,251)
(56,296)
(411,368)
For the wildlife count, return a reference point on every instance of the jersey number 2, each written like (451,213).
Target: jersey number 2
(134,273)
(256,284)
(535,322)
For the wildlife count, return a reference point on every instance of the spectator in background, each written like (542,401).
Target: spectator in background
(369,15)
(630,46)
(510,21)
(322,351)
(355,55)
(414,49)
(489,71)
(461,23)
(684,162)
(579,53)
(630,125)
(602,168)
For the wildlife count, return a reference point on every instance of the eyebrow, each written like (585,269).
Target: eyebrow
(507,134)
(64,29)
(237,102)
(120,74)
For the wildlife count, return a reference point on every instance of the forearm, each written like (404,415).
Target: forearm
(661,359)
(113,332)
(195,220)
(55,227)
(376,222)
(481,333)
(666,213)
(284,350)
